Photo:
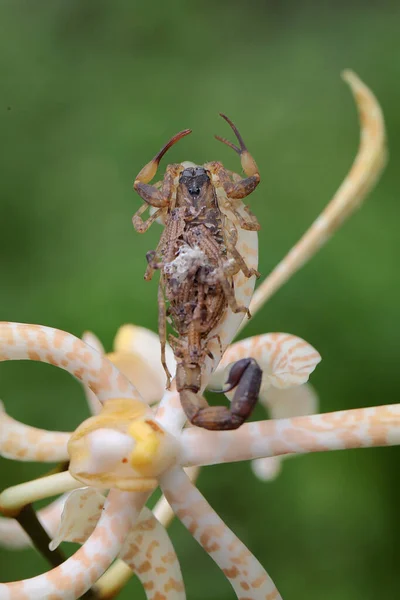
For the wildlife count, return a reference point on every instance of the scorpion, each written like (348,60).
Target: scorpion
(197,259)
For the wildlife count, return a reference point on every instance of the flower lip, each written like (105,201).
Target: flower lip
(123,447)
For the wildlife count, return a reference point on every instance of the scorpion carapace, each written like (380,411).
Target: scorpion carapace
(200,266)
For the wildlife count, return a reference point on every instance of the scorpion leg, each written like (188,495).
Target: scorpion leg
(142,226)
(238,258)
(229,293)
(162,329)
(150,193)
(245,375)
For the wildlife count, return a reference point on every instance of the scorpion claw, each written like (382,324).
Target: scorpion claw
(248,163)
(242,146)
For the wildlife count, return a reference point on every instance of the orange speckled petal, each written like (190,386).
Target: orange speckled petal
(356,428)
(82,510)
(243,571)
(79,572)
(19,341)
(151,555)
(93,403)
(147,549)
(286,360)
(22,442)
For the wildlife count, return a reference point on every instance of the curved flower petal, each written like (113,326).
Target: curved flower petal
(12,535)
(151,555)
(357,428)
(23,442)
(92,340)
(147,550)
(286,360)
(291,402)
(81,512)
(137,354)
(94,403)
(19,341)
(79,572)
(267,469)
(246,575)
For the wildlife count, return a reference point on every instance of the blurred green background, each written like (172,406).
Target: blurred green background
(89,92)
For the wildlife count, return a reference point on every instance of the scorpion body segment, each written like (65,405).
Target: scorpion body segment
(199,264)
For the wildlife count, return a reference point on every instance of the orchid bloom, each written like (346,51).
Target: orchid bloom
(130,449)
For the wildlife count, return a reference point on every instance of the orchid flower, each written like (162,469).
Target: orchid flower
(129,449)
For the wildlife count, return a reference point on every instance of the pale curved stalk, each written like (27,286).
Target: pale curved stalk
(364,173)
(19,341)
(79,572)
(243,571)
(357,428)
(14,498)
(12,535)
(23,442)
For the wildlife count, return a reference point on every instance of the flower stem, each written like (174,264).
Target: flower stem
(29,521)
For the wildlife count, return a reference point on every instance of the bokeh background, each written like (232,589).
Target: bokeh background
(89,92)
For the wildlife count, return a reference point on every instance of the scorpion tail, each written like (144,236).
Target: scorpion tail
(245,375)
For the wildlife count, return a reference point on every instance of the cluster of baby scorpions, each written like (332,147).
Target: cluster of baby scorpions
(198,259)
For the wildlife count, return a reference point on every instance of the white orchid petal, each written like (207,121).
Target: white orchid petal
(82,510)
(92,340)
(137,354)
(267,469)
(291,402)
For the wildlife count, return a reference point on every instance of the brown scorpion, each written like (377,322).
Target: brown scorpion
(198,259)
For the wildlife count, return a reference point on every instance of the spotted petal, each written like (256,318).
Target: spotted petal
(80,515)
(245,574)
(92,340)
(147,550)
(286,360)
(23,442)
